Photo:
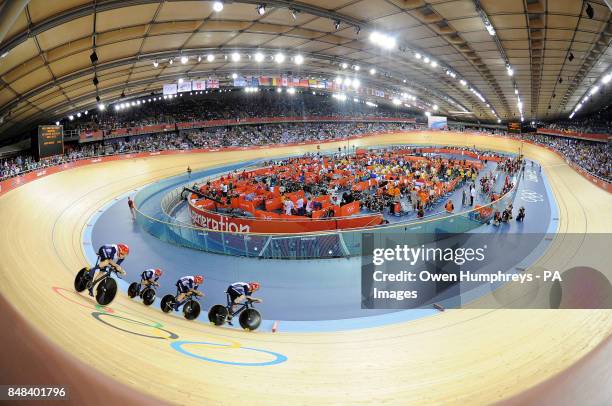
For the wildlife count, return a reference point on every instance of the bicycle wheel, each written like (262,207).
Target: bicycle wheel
(217,315)
(167,303)
(191,310)
(250,319)
(81,279)
(148,296)
(106,291)
(134,289)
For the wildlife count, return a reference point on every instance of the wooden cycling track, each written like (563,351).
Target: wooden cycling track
(456,357)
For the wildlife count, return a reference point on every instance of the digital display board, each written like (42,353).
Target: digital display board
(514,127)
(50,141)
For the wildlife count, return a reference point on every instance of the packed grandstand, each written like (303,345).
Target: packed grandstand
(594,157)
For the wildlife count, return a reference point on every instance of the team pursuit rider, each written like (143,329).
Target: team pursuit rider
(107,254)
(239,292)
(185,285)
(150,277)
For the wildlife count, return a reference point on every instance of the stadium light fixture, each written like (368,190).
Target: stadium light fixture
(435,107)
(427,113)
(344,65)
(499,120)
(259,57)
(235,57)
(356,83)
(383,40)
(606,78)
(291,90)
(417,55)
(79,114)
(155,64)
(180,80)
(171,61)
(101,107)
(57,123)
(184,59)
(347,81)
(434,64)
(396,102)
(218,6)
(372,71)
(71,117)
(509,70)
(594,90)
(210,57)
(298,59)
(426,60)
(356,67)
(279,90)
(463,82)
(279,58)
(261,9)
(234,76)
(490,28)
(199,58)
(338,80)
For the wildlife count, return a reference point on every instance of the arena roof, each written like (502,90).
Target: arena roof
(555,50)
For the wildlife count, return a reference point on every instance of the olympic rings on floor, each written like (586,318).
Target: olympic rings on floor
(89,306)
(278,358)
(98,316)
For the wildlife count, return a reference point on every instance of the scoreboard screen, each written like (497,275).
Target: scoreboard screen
(514,127)
(50,140)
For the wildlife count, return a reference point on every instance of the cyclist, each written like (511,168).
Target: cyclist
(186,285)
(150,277)
(107,254)
(239,292)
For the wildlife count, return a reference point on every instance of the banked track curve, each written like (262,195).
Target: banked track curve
(459,356)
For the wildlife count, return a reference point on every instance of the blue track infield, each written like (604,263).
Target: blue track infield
(304,296)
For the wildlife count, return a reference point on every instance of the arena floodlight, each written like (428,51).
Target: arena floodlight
(594,90)
(259,57)
(426,59)
(347,81)
(299,59)
(101,107)
(499,120)
(291,90)
(279,57)
(261,9)
(180,80)
(235,57)
(184,59)
(356,83)
(427,113)
(396,102)
(382,40)
(199,58)
(515,91)
(279,90)
(417,55)
(234,76)
(509,70)
(338,80)
(171,61)
(57,123)
(218,6)
(435,107)
(372,71)
(79,114)
(463,82)
(155,64)
(434,64)
(344,65)
(210,57)
(606,78)
(357,67)
(71,117)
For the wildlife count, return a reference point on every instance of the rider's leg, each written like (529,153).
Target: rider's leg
(93,274)
(179,300)
(235,303)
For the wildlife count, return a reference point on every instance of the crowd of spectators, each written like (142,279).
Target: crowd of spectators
(234,105)
(594,157)
(599,122)
(211,138)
